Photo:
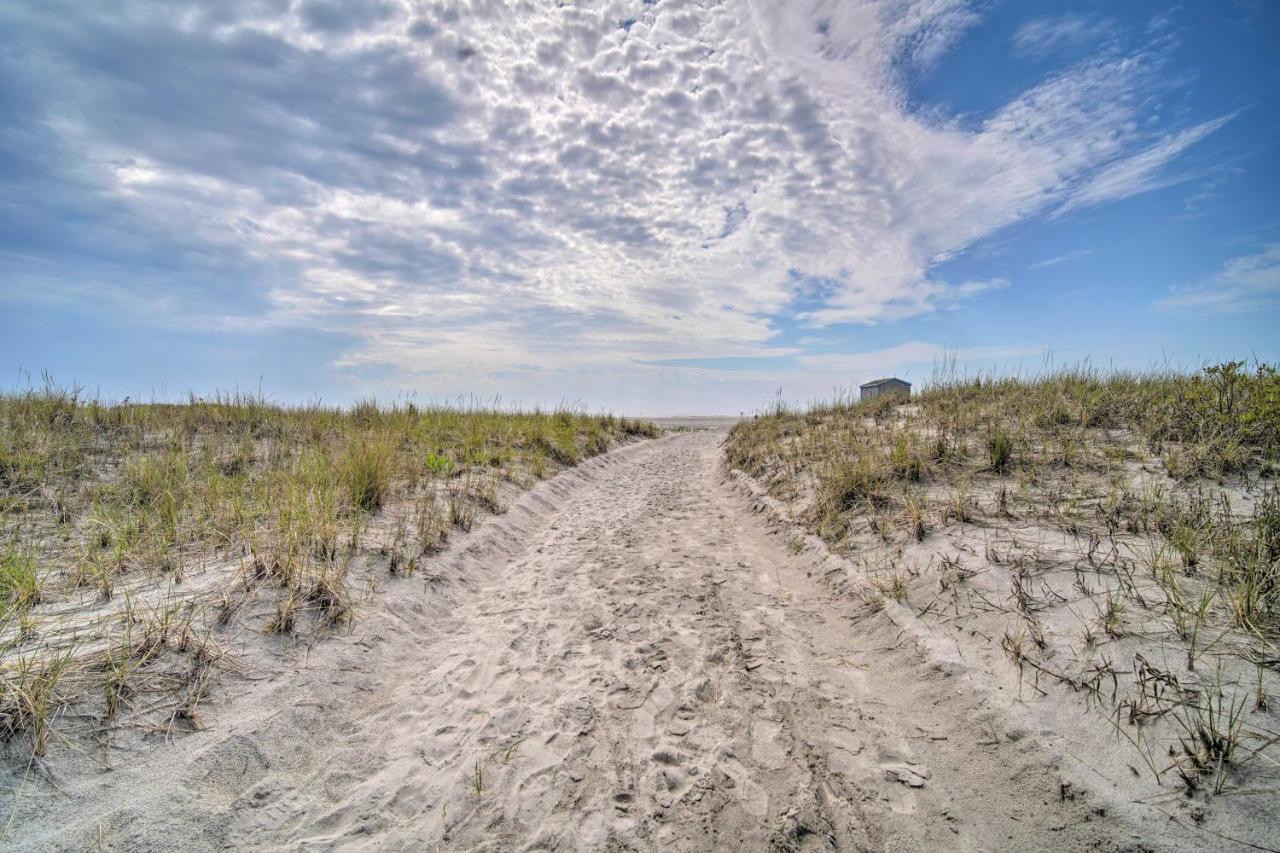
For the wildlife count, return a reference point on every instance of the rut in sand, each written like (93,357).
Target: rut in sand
(628,659)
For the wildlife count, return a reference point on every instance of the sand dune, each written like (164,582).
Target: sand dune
(632,657)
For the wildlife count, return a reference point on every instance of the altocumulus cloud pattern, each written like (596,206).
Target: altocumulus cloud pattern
(469,190)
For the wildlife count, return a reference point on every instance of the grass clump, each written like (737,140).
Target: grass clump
(366,471)
(29,697)
(1000,451)
(19,586)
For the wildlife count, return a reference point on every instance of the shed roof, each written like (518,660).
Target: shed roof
(876,382)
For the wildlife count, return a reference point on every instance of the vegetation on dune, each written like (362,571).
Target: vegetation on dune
(1221,420)
(855,457)
(97,499)
(1163,484)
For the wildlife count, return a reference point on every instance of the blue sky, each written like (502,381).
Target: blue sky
(649,207)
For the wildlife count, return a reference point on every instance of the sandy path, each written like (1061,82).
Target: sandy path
(629,661)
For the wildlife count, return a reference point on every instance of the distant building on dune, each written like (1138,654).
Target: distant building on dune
(880,387)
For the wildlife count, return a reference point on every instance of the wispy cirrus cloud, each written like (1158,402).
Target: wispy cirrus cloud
(1245,283)
(1065,257)
(473,190)
(1143,171)
(1041,37)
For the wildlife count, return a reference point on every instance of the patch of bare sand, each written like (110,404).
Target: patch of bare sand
(628,659)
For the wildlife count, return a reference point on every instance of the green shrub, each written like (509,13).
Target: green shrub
(1260,419)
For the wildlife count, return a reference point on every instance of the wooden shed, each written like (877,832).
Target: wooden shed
(890,385)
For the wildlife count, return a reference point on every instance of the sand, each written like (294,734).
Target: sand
(633,657)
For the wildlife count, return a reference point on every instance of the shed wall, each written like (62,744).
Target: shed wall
(894,386)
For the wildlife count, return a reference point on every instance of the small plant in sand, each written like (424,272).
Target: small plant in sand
(19,586)
(891,586)
(1000,450)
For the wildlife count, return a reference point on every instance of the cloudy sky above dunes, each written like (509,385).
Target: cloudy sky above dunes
(646,205)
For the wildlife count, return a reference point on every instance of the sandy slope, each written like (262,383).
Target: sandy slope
(628,659)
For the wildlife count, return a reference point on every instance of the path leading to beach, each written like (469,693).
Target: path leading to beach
(628,659)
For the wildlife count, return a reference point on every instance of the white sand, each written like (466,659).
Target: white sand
(628,659)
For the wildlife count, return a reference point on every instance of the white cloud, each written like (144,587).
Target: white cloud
(1065,257)
(475,189)
(1041,37)
(1249,282)
(1141,172)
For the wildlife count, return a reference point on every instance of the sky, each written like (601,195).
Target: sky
(641,206)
